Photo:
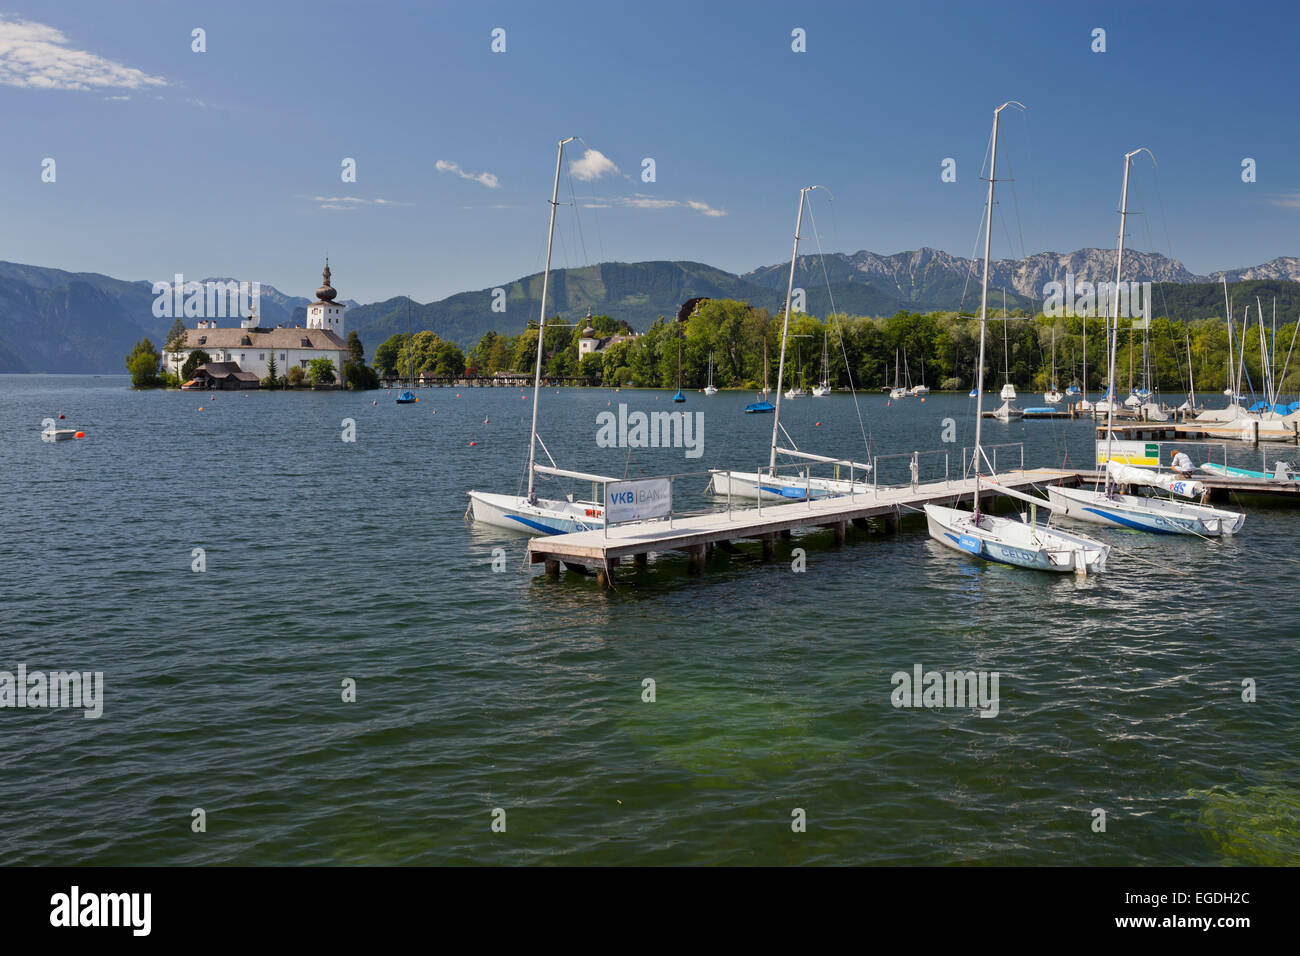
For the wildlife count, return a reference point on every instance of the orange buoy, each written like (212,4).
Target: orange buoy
(200,408)
(922,399)
(819,424)
(472,444)
(79,435)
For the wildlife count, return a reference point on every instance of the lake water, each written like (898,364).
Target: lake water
(329,560)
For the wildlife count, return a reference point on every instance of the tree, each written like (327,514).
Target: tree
(592,366)
(271,380)
(386,356)
(450,360)
(297,375)
(176,340)
(142,363)
(356,351)
(358,375)
(320,371)
(197,357)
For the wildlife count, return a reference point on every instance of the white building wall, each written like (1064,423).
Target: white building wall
(257,360)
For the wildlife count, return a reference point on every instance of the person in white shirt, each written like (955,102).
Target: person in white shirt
(1182,465)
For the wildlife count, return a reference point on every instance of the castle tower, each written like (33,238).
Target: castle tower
(325,313)
(589,339)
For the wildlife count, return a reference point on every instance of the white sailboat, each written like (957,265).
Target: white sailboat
(898,391)
(1007,412)
(823,388)
(709,389)
(529,513)
(920,391)
(1023,543)
(1053,395)
(1107,506)
(796,391)
(770,485)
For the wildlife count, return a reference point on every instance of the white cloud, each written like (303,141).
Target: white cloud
(593,165)
(642,201)
(35,56)
(353,202)
(487,179)
(705,208)
(1286,200)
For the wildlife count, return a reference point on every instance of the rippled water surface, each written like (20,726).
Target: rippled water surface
(328,560)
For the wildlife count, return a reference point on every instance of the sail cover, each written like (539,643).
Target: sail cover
(1128,475)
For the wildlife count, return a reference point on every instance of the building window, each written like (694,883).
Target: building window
(261,356)
(282,356)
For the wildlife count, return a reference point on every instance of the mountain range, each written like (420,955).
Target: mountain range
(57,321)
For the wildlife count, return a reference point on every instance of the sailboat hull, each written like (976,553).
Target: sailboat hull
(1017,543)
(1156,515)
(1227,471)
(752,486)
(546,517)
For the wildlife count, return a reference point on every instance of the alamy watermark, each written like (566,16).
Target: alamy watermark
(1073,299)
(961,689)
(206,300)
(37,690)
(651,430)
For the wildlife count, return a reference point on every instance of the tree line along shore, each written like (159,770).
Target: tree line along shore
(940,350)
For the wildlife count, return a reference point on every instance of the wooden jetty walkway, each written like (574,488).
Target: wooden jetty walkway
(698,534)
(1245,431)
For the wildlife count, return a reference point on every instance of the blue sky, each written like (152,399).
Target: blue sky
(227,162)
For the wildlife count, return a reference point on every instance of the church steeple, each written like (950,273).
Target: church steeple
(326,292)
(325,313)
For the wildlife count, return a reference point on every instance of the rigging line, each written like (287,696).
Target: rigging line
(1155,564)
(970,271)
(586,260)
(812,218)
(1015,204)
(595,215)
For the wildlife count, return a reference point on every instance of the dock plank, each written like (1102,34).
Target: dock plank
(685,533)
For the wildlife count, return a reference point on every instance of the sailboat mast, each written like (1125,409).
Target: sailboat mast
(785,328)
(1191,375)
(1227,311)
(541,322)
(1114,319)
(984,294)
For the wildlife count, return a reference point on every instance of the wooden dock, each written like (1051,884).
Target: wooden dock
(698,534)
(1249,432)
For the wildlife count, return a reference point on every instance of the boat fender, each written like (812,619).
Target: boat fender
(79,435)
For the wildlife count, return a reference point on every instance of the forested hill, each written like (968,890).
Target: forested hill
(634,292)
(59,321)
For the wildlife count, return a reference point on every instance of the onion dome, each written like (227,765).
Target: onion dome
(326,292)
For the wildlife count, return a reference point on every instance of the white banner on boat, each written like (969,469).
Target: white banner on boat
(1129,453)
(638,500)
